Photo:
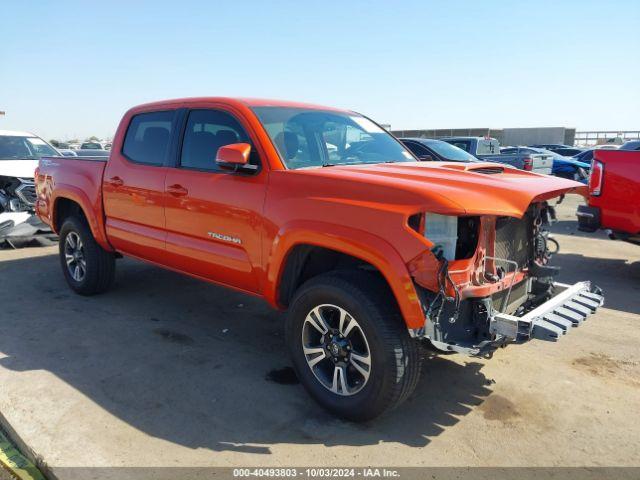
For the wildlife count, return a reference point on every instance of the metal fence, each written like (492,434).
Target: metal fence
(615,137)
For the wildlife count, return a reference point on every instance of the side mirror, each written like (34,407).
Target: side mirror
(234,155)
(425,158)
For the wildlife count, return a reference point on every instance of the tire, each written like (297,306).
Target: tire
(394,357)
(99,265)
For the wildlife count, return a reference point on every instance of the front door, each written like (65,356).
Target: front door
(214,216)
(133,186)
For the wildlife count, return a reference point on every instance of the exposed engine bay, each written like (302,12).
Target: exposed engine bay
(19,226)
(516,255)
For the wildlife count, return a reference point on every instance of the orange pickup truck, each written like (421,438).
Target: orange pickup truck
(323,213)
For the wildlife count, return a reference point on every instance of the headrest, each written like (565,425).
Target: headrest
(226,137)
(156,135)
(288,144)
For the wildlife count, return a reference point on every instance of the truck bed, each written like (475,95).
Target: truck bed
(79,177)
(541,163)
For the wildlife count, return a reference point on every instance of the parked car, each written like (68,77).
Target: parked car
(488,149)
(67,152)
(91,146)
(92,153)
(631,145)
(19,154)
(584,157)
(565,167)
(564,150)
(370,251)
(436,150)
(614,195)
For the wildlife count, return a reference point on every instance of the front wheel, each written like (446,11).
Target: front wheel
(87,267)
(350,346)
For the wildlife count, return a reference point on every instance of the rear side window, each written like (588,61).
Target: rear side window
(205,133)
(148,137)
(487,147)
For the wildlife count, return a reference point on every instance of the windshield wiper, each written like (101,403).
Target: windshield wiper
(328,164)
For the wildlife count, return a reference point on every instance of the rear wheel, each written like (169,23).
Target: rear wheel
(349,345)
(87,267)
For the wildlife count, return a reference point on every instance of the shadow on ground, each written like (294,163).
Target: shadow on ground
(570,227)
(619,279)
(189,362)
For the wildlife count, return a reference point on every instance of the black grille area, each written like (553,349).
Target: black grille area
(512,240)
(517,297)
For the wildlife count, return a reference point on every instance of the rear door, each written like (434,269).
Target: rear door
(133,185)
(214,216)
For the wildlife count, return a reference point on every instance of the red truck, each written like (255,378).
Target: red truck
(614,195)
(323,213)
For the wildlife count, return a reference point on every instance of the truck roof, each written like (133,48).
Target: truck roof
(247,102)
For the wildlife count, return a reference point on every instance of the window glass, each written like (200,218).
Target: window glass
(24,148)
(148,137)
(206,132)
(416,148)
(487,147)
(308,138)
(451,152)
(466,146)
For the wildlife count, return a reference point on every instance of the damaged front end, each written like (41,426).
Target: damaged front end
(19,226)
(493,285)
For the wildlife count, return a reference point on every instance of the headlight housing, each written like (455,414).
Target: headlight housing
(442,230)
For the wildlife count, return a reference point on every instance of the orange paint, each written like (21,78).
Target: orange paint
(238,229)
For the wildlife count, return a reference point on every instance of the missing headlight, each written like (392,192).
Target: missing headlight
(456,236)
(468,231)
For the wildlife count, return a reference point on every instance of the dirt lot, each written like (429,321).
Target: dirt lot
(167,371)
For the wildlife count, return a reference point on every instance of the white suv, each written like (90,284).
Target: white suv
(19,156)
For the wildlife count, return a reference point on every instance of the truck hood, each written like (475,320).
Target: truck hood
(18,168)
(444,187)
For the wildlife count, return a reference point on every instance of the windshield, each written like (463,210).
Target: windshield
(451,152)
(315,138)
(24,148)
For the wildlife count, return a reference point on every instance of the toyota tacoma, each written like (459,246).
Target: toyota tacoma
(321,212)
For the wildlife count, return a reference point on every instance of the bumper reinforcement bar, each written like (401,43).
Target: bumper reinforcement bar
(552,319)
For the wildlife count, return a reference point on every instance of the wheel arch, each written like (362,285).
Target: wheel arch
(329,246)
(72,201)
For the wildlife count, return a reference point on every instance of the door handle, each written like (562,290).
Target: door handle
(177,190)
(116,182)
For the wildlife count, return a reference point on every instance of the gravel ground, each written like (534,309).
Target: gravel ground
(167,371)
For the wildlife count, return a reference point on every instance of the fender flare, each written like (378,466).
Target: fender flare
(93,213)
(356,243)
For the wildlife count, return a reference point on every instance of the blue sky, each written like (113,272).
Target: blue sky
(71,68)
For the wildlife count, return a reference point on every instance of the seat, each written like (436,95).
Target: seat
(226,137)
(288,144)
(200,150)
(155,141)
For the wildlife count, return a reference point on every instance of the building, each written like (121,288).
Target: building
(506,136)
